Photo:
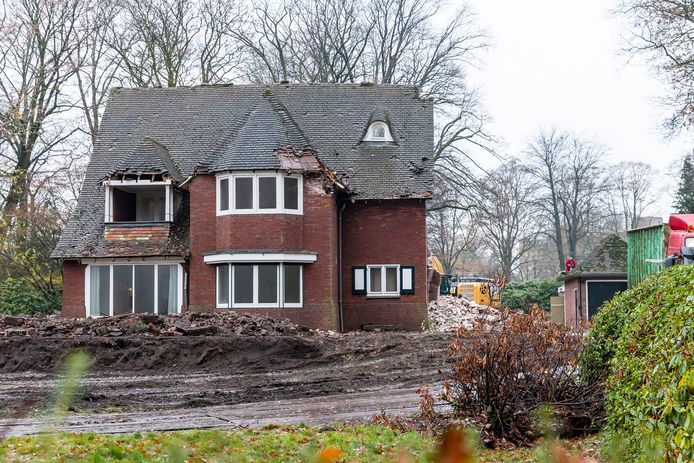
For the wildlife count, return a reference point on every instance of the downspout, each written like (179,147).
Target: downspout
(339,268)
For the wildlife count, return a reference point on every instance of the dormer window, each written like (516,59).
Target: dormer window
(138,201)
(378,132)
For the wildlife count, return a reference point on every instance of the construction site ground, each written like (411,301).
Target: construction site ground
(171,381)
(150,372)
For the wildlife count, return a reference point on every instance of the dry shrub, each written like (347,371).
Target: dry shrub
(502,378)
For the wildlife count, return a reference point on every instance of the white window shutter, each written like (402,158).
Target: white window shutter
(407,279)
(359,280)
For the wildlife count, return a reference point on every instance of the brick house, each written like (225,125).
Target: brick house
(297,201)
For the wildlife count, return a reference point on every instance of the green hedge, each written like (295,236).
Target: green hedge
(18,296)
(642,344)
(522,296)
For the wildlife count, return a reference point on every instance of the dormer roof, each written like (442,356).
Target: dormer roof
(148,158)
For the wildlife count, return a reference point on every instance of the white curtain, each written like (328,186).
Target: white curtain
(94,291)
(173,288)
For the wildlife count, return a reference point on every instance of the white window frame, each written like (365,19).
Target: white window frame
(279,191)
(255,304)
(87,285)
(383,292)
(108,196)
(372,128)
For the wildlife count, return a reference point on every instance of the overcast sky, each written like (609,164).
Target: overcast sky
(558,62)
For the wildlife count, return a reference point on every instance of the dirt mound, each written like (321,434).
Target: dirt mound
(165,372)
(156,354)
(449,313)
(187,324)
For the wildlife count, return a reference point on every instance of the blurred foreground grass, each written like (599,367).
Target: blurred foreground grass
(344,443)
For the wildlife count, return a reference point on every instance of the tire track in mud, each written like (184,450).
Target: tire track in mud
(141,374)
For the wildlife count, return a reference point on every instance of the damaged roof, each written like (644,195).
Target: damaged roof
(185,130)
(609,257)
(149,157)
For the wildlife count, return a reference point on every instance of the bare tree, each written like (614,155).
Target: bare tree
(95,62)
(154,40)
(219,52)
(580,188)
(336,36)
(38,38)
(268,37)
(546,155)
(569,173)
(453,237)
(506,212)
(663,30)
(629,187)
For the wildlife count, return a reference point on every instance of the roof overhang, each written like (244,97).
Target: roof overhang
(260,257)
(595,276)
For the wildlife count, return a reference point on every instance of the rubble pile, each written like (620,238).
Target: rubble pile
(449,313)
(147,324)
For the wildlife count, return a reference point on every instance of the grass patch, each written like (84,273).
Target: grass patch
(363,443)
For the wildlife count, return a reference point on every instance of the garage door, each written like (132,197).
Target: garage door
(602,291)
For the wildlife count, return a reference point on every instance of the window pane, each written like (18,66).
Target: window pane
(267,192)
(167,293)
(267,284)
(391,279)
(379,131)
(292,283)
(144,288)
(243,192)
(375,279)
(223,285)
(99,290)
(224,194)
(243,284)
(291,193)
(122,289)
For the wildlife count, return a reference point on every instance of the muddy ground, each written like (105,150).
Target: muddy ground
(138,373)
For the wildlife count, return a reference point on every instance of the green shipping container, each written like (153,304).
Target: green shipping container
(647,251)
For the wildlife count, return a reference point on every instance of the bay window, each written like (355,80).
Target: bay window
(115,289)
(259,285)
(259,193)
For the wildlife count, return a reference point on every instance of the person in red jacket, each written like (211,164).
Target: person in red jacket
(570,264)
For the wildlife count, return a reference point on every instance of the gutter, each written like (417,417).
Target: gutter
(339,268)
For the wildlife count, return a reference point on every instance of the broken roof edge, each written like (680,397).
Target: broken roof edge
(100,257)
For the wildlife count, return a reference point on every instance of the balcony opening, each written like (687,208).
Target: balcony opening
(139,203)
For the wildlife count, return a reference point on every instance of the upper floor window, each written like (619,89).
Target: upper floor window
(138,201)
(259,193)
(378,131)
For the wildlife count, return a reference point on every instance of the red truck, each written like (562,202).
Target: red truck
(680,248)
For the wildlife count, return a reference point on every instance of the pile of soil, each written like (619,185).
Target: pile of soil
(166,372)
(146,324)
(449,313)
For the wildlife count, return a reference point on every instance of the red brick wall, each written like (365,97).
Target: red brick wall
(159,232)
(73,290)
(385,232)
(570,304)
(315,230)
